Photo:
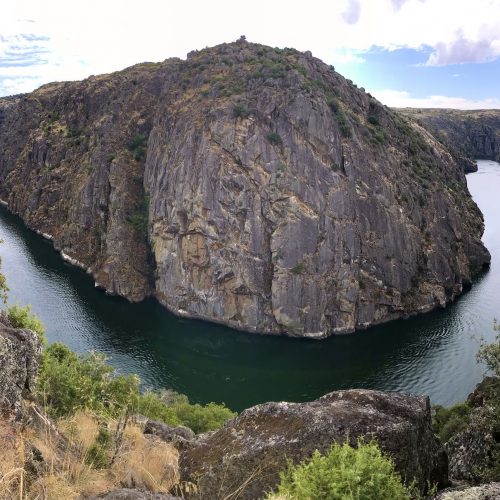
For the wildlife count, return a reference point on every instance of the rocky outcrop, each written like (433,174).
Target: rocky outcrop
(250,451)
(469,135)
(489,491)
(246,185)
(474,453)
(179,436)
(19,359)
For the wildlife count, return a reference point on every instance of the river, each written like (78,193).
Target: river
(432,354)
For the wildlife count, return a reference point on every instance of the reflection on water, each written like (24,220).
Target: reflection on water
(432,354)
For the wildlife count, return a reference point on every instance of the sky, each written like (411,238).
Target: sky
(417,53)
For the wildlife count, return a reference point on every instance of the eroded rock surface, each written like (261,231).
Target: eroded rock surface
(251,450)
(247,185)
(19,359)
(489,491)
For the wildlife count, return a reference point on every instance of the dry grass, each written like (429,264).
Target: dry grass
(36,466)
(145,462)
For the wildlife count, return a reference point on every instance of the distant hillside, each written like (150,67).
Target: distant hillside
(469,135)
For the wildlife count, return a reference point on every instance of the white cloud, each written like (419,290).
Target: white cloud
(403,99)
(102,36)
(462,50)
(353,12)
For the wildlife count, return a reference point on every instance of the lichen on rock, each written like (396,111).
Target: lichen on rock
(19,360)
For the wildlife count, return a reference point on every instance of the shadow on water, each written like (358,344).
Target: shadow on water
(431,354)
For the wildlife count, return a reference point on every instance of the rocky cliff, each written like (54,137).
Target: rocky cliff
(248,453)
(19,359)
(246,185)
(469,135)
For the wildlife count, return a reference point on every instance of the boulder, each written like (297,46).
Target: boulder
(19,359)
(489,491)
(248,453)
(470,451)
(178,436)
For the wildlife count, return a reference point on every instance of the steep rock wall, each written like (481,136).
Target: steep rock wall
(251,186)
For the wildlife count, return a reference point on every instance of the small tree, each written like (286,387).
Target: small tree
(489,354)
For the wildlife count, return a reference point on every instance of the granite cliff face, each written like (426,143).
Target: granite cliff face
(247,185)
(468,134)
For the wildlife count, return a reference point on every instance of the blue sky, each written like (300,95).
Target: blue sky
(438,53)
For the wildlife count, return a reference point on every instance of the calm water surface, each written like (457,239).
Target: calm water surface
(432,354)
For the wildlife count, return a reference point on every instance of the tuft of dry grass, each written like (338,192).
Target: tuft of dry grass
(145,462)
(63,472)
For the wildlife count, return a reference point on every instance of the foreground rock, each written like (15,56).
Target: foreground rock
(484,492)
(250,451)
(474,453)
(19,359)
(246,185)
(179,436)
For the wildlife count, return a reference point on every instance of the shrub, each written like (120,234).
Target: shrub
(3,285)
(343,473)
(175,409)
(22,317)
(333,104)
(447,422)
(373,119)
(68,383)
(298,268)
(241,111)
(344,126)
(489,354)
(139,218)
(274,138)
(138,146)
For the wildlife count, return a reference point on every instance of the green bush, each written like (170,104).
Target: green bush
(3,285)
(274,138)
(139,218)
(68,382)
(22,317)
(345,128)
(240,111)
(447,422)
(175,409)
(138,146)
(489,354)
(344,473)
(298,268)
(97,455)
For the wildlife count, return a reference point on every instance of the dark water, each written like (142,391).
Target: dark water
(433,354)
